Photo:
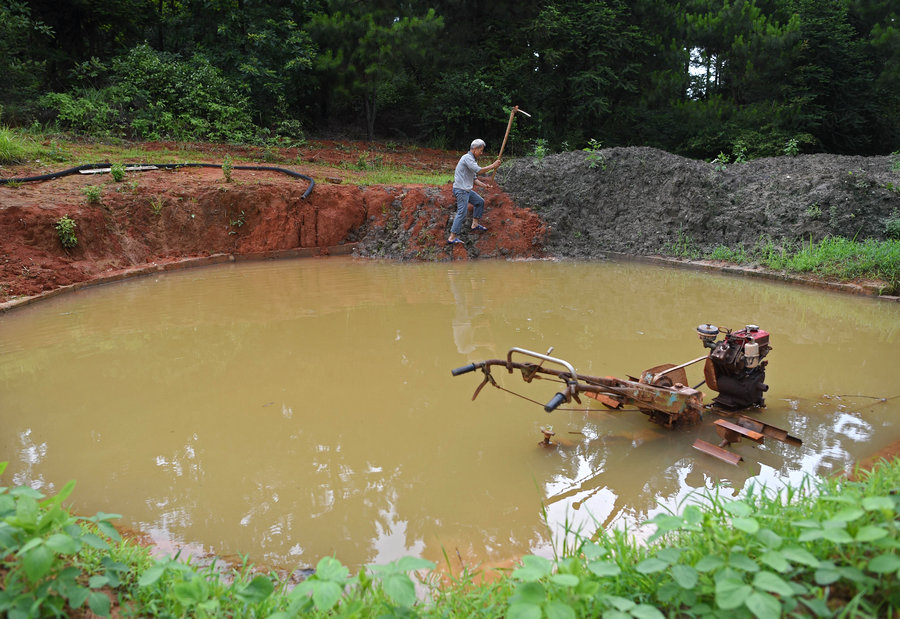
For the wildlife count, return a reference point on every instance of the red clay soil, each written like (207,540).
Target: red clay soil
(163,217)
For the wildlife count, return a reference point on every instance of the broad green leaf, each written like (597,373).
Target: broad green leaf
(604,568)
(769,538)
(188,593)
(848,515)
(326,594)
(533,568)
(645,611)
(63,544)
(593,551)
(565,580)
(256,590)
(747,525)
(99,603)
(530,593)
(870,534)
(873,503)
(739,509)
(685,576)
(623,604)
(773,583)
(94,541)
(709,563)
(108,530)
(669,555)
(78,596)
(799,555)
(615,614)
(37,562)
(742,562)
(811,535)
(826,576)
(558,610)
(410,564)
(523,610)
(25,491)
(61,496)
(692,515)
(651,566)
(838,536)
(98,580)
(329,568)
(27,511)
(775,560)
(885,563)
(731,593)
(400,588)
(151,575)
(764,605)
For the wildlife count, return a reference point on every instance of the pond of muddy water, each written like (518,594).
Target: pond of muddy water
(297,409)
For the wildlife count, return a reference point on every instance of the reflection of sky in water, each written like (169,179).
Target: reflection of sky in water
(379,453)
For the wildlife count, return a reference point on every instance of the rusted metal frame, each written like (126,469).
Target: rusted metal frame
(678,367)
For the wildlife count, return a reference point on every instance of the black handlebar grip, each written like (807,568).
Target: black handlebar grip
(553,404)
(464,369)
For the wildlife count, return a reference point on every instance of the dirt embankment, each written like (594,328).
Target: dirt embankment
(638,201)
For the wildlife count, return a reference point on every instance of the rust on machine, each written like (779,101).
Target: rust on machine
(734,367)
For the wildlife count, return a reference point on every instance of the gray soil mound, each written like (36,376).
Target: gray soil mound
(645,201)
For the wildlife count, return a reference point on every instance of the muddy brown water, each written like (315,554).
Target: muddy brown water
(297,409)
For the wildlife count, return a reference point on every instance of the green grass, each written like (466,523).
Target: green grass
(832,257)
(826,548)
(17,147)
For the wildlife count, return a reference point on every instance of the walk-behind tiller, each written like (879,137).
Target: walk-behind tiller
(735,367)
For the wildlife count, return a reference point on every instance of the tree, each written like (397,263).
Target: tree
(365,46)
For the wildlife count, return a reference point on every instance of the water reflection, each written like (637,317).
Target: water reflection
(294,410)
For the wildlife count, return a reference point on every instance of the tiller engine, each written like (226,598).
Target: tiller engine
(734,368)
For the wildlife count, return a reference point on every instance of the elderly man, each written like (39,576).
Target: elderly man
(464,180)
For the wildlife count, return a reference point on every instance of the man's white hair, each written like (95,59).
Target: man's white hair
(476,144)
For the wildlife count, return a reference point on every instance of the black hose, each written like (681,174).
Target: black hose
(167,166)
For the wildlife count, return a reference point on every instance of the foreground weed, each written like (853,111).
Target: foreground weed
(594,155)
(65,230)
(93,193)
(156,205)
(720,163)
(541,149)
(38,542)
(117,170)
(227,168)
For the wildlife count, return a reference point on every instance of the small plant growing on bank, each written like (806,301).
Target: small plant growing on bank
(156,205)
(238,223)
(791,147)
(117,170)
(739,151)
(541,149)
(814,211)
(892,226)
(594,156)
(895,161)
(93,193)
(720,162)
(65,229)
(227,167)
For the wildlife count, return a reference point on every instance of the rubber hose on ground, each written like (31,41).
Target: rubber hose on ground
(168,166)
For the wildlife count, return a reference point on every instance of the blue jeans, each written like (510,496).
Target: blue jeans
(463,198)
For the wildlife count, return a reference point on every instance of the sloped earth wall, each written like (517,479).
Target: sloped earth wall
(641,201)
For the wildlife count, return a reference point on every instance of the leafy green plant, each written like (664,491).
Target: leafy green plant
(237,222)
(65,230)
(594,155)
(813,211)
(791,147)
(720,162)
(38,540)
(362,162)
(892,225)
(739,151)
(117,170)
(895,161)
(227,167)
(541,149)
(93,193)
(156,205)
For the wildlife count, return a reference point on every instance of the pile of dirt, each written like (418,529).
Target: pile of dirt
(644,201)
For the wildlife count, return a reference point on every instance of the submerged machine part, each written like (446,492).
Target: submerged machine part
(738,370)
(734,367)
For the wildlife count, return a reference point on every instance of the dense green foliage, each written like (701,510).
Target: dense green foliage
(694,77)
(827,548)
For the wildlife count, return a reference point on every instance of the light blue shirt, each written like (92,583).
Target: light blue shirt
(466,169)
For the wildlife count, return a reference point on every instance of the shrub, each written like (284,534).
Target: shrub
(65,229)
(93,193)
(117,170)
